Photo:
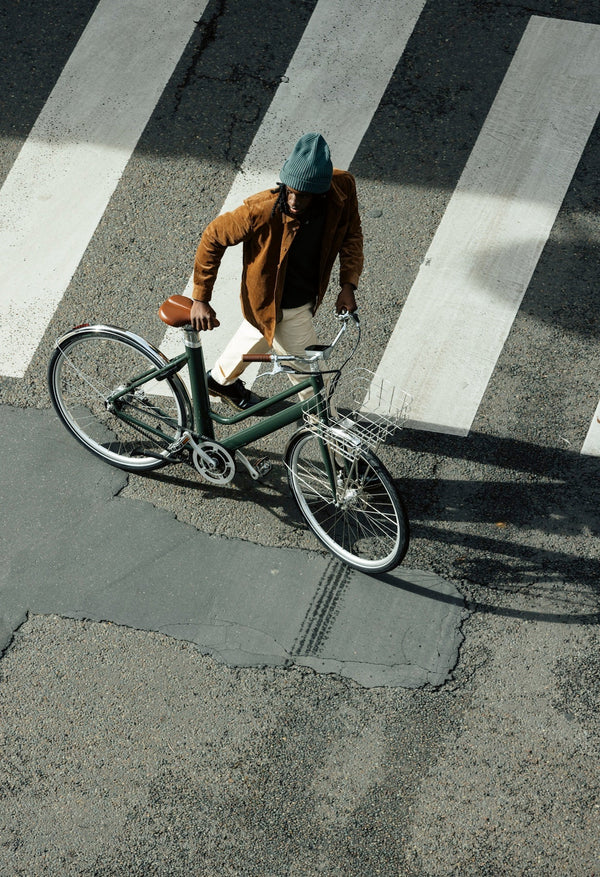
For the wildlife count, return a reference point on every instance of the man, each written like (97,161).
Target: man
(291,238)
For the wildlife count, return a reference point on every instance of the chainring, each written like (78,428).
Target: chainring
(221,468)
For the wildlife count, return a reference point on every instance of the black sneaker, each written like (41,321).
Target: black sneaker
(237,394)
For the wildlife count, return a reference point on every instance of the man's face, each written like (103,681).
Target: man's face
(298,202)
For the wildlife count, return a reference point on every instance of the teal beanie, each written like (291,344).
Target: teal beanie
(308,168)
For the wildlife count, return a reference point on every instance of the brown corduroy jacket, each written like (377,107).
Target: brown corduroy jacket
(266,241)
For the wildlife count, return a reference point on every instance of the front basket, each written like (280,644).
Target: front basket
(369,407)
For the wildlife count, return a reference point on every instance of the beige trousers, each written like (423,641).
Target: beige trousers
(293,333)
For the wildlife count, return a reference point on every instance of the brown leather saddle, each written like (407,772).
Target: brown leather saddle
(175,311)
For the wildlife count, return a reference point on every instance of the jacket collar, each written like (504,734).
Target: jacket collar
(335,192)
(335,196)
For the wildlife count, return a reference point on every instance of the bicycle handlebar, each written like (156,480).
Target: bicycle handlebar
(315,352)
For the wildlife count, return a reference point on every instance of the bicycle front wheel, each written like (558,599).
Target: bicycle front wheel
(364,520)
(133,431)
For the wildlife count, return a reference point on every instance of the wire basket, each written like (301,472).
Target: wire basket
(367,406)
(342,442)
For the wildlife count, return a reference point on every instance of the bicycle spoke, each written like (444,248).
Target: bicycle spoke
(89,369)
(364,522)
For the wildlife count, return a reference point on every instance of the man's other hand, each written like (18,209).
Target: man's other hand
(346,299)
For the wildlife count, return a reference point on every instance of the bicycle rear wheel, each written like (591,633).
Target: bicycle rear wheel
(86,368)
(364,521)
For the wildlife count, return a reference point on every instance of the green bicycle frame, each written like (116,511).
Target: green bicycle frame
(203,417)
(269,424)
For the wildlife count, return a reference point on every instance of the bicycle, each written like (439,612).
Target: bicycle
(124,400)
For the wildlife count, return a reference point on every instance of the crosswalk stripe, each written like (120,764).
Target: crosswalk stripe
(333,85)
(591,445)
(467,293)
(499,216)
(68,168)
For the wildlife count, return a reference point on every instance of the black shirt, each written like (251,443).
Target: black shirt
(302,273)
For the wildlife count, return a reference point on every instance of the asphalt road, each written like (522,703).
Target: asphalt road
(126,751)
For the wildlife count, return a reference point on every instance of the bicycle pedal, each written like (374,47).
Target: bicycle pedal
(259,470)
(263,466)
(179,443)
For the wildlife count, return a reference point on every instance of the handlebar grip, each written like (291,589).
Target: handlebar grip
(346,313)
(256,357)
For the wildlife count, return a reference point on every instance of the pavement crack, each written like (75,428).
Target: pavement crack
(208,30)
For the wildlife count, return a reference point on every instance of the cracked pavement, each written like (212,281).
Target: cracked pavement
(104,557)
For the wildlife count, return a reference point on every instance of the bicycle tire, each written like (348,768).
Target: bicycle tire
(88,365)
(365,523)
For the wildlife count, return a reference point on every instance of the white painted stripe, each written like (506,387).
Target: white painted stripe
(67,170)
(468,291)
(333,85)
(591,445)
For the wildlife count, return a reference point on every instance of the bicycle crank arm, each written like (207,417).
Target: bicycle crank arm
(186,438)
(262,468)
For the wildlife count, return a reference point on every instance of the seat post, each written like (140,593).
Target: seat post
(203,424)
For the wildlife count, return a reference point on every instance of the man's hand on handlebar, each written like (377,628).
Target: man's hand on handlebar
(203,317)
(346,300)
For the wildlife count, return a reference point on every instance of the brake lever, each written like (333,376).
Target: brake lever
(278,369)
